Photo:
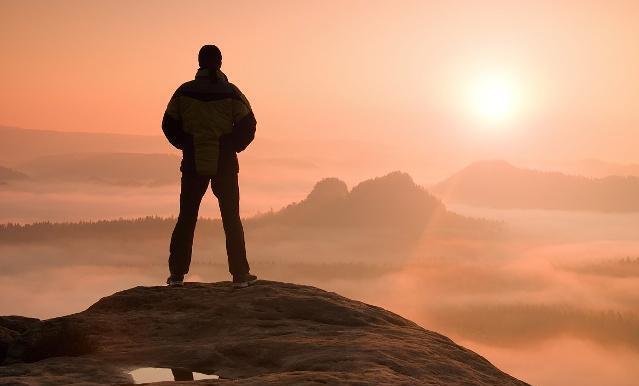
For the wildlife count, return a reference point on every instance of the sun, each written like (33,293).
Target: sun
(494,98)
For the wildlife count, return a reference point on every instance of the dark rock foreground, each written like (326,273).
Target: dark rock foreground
(269,334)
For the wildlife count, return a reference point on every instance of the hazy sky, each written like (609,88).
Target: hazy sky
(533,80)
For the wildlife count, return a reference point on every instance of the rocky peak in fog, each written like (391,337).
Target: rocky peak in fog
(390,200)
(327,190)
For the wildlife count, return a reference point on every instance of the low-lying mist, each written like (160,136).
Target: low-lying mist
(527,289)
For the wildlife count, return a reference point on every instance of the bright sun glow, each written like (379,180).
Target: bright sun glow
(494,99)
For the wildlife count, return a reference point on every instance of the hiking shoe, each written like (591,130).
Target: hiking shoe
(175,281)
(244,280)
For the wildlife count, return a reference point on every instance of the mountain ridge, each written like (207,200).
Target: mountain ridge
(20,145)
(499,184)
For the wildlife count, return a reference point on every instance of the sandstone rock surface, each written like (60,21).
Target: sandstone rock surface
(269,334)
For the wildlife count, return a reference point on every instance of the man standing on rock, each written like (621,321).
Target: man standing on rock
(210,120)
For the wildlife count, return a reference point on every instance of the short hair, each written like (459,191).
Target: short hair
(210,56)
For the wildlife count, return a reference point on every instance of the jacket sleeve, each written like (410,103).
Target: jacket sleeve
(244,123)
(172,123)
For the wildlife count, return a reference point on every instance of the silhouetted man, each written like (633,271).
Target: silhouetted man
(210,120)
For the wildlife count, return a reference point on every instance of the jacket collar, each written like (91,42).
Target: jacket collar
(205,73)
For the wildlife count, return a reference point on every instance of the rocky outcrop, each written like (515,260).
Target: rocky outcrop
(392,201)
(268,334)
(328,190)
(10,329)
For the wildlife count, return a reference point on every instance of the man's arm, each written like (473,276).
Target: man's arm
(172,123)
(244,123)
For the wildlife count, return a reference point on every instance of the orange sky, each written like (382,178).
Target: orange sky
(390,72)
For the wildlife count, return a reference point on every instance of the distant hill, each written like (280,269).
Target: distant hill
(598,168)
(296,161)
(393,199)
(7,174)
(110,168)
(392,202)
(498,184)
(20,145)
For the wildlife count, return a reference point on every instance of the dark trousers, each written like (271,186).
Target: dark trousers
(225,188)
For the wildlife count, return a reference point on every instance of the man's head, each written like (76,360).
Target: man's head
(210,57)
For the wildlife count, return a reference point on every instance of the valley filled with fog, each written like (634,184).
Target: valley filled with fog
(517,285)
(525,265)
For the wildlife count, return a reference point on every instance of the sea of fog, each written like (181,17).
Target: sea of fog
(550,299)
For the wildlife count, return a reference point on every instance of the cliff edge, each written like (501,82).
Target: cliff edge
(269,334)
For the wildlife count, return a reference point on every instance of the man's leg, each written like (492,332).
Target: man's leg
(226,189)
(193,188)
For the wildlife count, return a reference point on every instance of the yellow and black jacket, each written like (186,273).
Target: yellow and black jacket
(210,120)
